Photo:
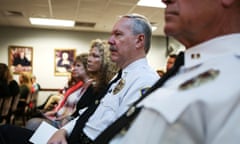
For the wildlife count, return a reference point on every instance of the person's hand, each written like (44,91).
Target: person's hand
(58,137)
(65,120)
(50,113)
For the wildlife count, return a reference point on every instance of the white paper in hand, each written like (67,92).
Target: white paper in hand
(43,133)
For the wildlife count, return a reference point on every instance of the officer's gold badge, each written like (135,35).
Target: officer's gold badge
(119,86)
(200,79)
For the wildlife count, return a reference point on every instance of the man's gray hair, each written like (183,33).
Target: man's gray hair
(141,25)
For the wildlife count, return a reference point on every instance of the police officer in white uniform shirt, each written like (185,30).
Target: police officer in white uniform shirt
(201,103)
(130,41)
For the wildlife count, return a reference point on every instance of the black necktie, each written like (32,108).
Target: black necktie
(123,123)
(80,123)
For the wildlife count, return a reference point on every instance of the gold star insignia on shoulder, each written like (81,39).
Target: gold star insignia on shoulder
(200,79)
(119,86)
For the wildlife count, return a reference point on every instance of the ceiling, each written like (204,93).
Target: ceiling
(91,15)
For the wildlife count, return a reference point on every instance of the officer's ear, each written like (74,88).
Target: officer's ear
(140,41)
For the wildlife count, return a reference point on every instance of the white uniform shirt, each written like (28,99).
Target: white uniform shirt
(137,77)
(207,112)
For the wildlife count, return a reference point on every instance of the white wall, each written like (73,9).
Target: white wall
(45,41)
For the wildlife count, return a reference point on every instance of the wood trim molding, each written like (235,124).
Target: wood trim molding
(49,89)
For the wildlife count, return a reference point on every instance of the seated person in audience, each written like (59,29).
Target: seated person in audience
(78,82)
(8,88)
(25,85)
(24,106)
(170,61)
(35,85)
(94,76)
(35,90)
(101,69)
(54,98)
(51,102)
(130,42)
(169,64)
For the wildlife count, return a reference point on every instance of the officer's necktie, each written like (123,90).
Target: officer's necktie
(80,123)
(123,123)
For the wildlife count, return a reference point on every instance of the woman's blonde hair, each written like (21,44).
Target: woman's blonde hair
(25,79)
(108,68)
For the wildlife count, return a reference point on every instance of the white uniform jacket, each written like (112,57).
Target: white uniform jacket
(200,105)
(136,78)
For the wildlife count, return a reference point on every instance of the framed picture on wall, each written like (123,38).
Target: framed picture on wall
(20,59)
(63,60)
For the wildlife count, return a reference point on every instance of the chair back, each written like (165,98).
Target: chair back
(5,109)
(13,109)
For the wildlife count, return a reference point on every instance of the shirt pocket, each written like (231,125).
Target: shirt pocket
(109,109)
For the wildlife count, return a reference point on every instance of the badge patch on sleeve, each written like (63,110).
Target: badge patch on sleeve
(144,90)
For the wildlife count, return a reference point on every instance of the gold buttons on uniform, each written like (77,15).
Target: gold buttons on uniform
(96,102)
(123,131)
(131,111)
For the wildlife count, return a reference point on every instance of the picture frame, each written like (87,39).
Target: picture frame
(20,58)
(63,60)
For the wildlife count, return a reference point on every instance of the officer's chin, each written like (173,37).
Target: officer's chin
(113,58)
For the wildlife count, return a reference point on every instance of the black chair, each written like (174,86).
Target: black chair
(23,108)
(13,109)
(6,103)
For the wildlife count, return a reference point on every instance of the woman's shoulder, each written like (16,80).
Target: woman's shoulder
(13,83)
(14,87)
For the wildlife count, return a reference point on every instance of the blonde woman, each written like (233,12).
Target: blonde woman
(25,85)
(100,69)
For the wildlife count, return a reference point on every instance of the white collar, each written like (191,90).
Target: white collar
(213,48)
(137,63)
